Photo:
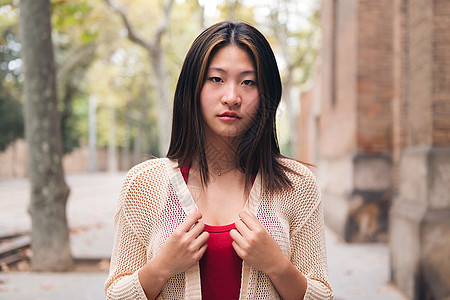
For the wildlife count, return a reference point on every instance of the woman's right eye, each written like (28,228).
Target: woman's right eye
(215,79)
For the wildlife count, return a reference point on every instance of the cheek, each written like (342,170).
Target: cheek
(203,104)
(253,107)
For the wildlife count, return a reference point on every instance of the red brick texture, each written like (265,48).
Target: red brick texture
(375,77)
(441,72)
(338,116)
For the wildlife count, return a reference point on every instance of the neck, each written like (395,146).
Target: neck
(220,154)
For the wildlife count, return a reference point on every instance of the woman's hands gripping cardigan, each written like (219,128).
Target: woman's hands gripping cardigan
(155,199)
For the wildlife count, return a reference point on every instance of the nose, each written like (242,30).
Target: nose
(231,96)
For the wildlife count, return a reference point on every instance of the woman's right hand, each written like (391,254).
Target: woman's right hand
(182,250)
(185,246)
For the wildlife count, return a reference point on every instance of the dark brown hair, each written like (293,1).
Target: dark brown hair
(258,147)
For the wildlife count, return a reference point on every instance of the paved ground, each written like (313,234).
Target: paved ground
(355,271)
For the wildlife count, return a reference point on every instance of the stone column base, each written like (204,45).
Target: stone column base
(357,194)
(419,233)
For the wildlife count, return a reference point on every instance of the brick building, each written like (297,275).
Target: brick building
(377,123)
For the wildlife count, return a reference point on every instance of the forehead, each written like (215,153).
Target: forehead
(232,56)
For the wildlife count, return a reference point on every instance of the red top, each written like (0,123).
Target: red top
(220,266)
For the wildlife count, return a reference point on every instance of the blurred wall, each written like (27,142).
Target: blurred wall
(13,161)
(355,125)
(377,124)
(420,215)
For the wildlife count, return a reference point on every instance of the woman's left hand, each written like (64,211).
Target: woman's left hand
(254,244)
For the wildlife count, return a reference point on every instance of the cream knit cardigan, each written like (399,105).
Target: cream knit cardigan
(155,199)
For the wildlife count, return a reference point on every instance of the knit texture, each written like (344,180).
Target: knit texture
(155,199)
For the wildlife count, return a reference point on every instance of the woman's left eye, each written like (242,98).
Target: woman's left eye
(248,82)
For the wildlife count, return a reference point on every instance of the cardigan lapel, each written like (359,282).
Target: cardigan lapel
(185,197)
(254,199)
(188,205)
(177,180)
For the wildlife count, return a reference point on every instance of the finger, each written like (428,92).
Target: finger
(242,228)
(196,229)
(238,249)
(252,216)
(202,251)
(191,219)
(237,237)
(201,240)
(249,220)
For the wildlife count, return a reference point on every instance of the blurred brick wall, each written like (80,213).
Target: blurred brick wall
(374,77)
(78,161)
(305,141)
(420,212)
(357,77)
(338,74)
(399,69)
(355,134)
(384,137)
(427,69)
(13,161)
(307,126)
(441,75)
(419,74)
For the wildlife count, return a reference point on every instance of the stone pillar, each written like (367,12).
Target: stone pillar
(420,225)
(419,235)
(356,117)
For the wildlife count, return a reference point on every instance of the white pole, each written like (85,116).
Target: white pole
(92,133)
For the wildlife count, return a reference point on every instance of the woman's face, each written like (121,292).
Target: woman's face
(229,98)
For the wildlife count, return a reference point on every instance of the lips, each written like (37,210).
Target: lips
(229,115)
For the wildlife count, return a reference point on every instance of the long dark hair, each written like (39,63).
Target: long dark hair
(258,147)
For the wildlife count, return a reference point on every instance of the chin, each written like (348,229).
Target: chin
(227,132)
(230,133)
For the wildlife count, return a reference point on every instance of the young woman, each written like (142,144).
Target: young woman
(224,215)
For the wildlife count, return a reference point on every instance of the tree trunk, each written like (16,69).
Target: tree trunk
(49,191)
(163,99)
(112,143)
(201,11)
(92,134)
(137,146)
(125,154)
(291,112)
(142,131)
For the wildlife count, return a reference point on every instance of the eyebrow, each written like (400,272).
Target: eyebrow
(220,70)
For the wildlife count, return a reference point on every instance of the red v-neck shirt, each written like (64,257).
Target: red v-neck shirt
(220,266)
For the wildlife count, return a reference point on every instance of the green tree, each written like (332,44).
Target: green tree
(299,47)
(75,44)
(11,111)
(155,50)
(75,35)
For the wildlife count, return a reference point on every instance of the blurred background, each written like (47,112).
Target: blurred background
(366,90)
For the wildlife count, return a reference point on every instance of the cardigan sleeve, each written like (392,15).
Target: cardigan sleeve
(309,255)
(131,224)
(129,255)
(138,209)
(307,231)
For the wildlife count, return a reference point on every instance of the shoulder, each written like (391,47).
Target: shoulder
(305,193)
(144,179)
(141,197)
(151,166)
(152,171)
(297,171)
